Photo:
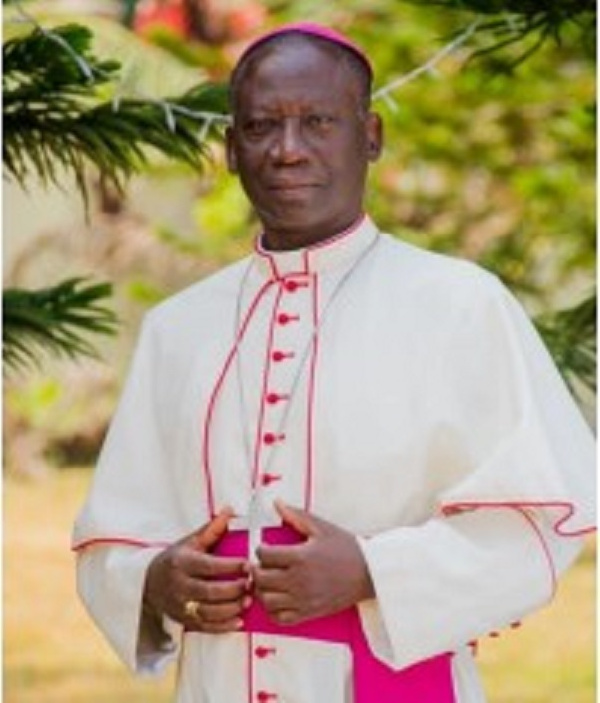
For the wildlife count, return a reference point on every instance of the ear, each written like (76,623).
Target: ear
(374,132)
(230,154)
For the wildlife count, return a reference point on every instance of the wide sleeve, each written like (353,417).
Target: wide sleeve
(110,583)
(132,510)
(512,520)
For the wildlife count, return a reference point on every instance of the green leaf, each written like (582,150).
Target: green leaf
(570,335)
(54,321)
(54,114)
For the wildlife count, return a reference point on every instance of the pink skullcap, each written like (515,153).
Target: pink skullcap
(312,30)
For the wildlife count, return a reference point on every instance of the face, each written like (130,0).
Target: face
(301,142)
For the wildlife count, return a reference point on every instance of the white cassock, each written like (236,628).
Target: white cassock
(399,394)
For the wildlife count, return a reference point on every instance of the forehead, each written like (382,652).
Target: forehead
(294,68)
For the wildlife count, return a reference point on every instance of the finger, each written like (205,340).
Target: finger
(279,557)
(270,580)
(303,522)
(275,602)
(211,533)
(280,608)
(220,592)
(209,566)
(215,613)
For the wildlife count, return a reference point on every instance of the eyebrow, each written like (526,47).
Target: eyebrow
(308,106)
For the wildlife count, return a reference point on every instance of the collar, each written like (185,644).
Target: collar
(331,253)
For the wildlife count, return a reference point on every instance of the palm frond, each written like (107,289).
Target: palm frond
(570,335)
(527,24)
(57,117)
(54,321)
(62,112)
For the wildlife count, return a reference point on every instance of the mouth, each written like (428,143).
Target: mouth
(299,194)
(291,186)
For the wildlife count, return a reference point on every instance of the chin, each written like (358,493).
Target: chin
(291,217)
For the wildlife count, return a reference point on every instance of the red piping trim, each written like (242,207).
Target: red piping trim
(127,541)
(311,402)
(344,233)
(265,384)
(274,271)
(331,241)
(519,505)
(545,549)
(250,646)
(263,253)
(210,498)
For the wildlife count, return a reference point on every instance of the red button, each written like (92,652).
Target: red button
(273,398)
(267,479)
(280,356)
(270,438)
(262,652)
(284,318)
(291,286)
(265,697)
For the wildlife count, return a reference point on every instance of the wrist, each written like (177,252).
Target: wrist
(366,586)
(151,605)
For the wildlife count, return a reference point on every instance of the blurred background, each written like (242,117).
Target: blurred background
(116,195)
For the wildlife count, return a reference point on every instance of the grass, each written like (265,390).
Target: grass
(53,653)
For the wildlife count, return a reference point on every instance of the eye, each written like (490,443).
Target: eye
(257,127)
(319,122)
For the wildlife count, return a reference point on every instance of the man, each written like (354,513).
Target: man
(342,460)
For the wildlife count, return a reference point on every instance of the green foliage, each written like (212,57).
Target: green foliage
(53,320)
(487,161)
(37,400)
(570,335)
(223,215)
(129,7)
(63,114)
(60,59)
(528,24)
(55,118)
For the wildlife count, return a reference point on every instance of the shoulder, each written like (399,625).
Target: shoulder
(198,304)
(431,276)
(456,297)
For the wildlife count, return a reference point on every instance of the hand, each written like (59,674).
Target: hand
(321,576)
(186,571)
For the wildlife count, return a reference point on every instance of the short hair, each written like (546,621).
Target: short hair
(348,58)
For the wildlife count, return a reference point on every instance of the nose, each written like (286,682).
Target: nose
(289,146)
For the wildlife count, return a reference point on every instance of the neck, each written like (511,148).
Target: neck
(291,240)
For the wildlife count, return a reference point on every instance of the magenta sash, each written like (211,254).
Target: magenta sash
(429,681)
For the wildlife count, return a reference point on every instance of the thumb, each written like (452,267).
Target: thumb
(208,535)
(303,522)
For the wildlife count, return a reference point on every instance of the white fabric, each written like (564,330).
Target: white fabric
(426,417)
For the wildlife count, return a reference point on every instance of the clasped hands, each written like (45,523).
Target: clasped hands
(320,576)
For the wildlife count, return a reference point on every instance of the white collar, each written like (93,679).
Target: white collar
(326,255)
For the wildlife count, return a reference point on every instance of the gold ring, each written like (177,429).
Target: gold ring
(192,609)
